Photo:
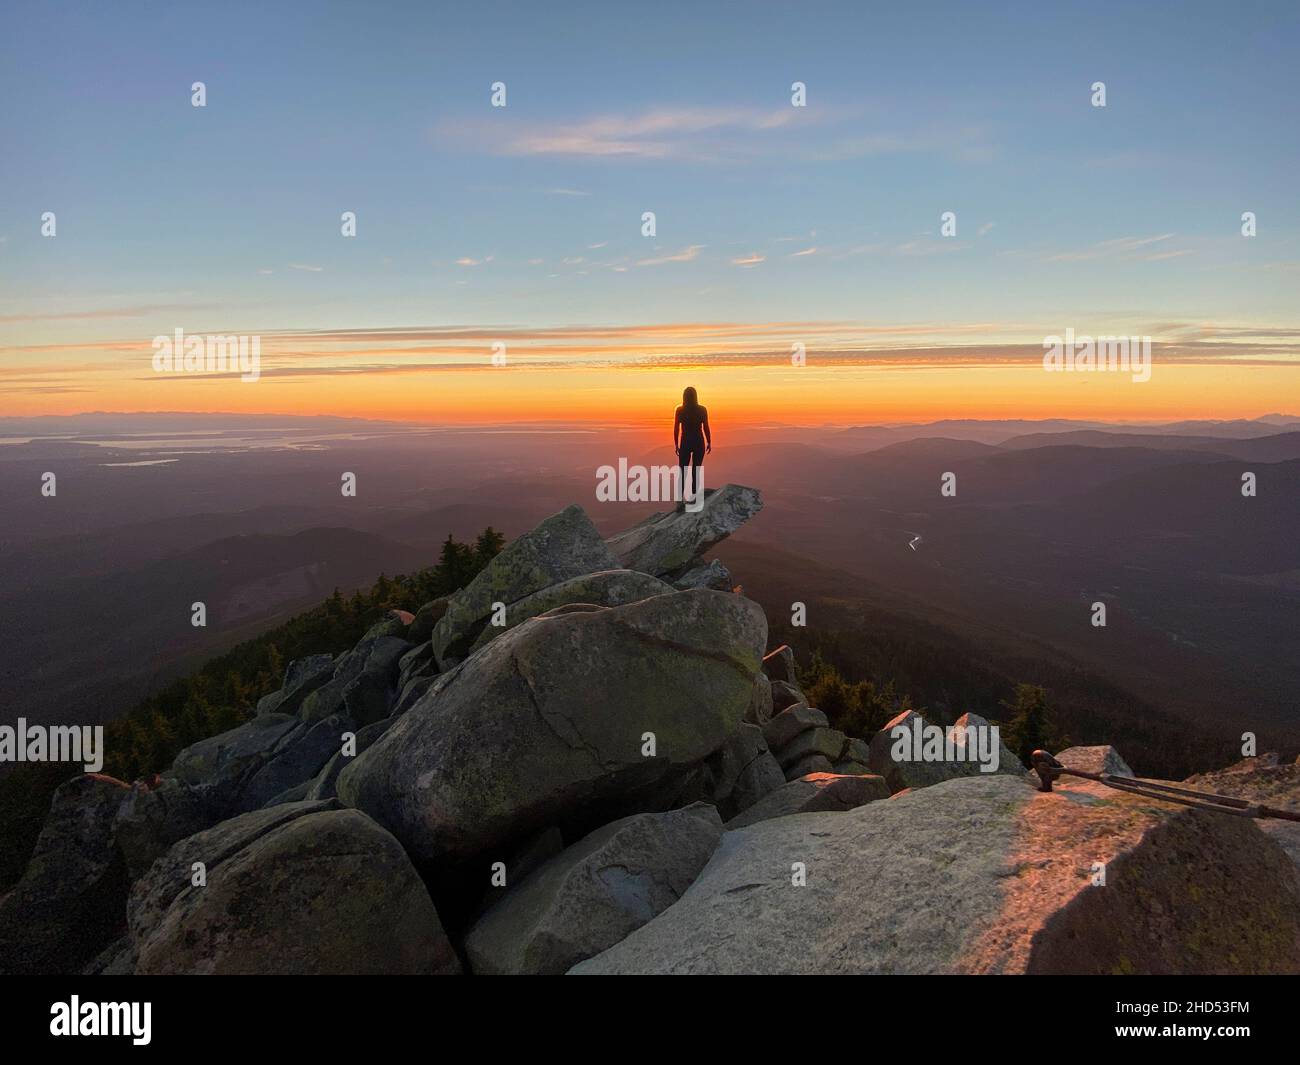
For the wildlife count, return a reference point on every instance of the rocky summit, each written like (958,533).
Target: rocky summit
(591,759)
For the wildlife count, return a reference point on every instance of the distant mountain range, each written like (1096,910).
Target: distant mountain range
(1202,585)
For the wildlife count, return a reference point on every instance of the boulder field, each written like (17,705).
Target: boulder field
(589,760)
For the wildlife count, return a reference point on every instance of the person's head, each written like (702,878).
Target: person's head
(689,398)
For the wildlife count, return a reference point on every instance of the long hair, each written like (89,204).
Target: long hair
(689,399)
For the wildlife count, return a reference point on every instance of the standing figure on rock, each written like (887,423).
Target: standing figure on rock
(691,440)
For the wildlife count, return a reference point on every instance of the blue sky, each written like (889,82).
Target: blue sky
(227,217)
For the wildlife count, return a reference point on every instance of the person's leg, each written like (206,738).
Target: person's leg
(697,460)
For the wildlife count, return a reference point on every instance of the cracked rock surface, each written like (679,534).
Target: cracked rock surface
(551,721)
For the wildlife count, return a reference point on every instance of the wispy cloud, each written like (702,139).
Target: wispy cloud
(467,348)
(686,255)
(307,267)
(651,135)
(752,259)
(699,133)
(1115,248)
(141,311)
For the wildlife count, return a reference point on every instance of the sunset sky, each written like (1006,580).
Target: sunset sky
(776,225)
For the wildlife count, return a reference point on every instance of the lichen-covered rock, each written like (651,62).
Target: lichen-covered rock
(302,677)
(812,794)
(742,772)
(296,762)
(232,754)
(324,784)
(417,662)
(712,574)
(785,725)
(786,695)
(1267,781)
(301,889)
(152,818)
(593,894)
(421,628)
(827,742)
(607,588)
(1101,759)
(247,766)
(983,875)
(364,682)
(564,546)
(856,758)
(393,623)
(552,720)
(69,903)
(808,765)
(667,544)
(779,665)
(760,708)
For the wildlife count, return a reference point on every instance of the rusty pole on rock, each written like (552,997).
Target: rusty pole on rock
(1049,769)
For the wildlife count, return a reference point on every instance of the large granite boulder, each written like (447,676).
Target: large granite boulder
(564,546)
(302,677)
(760,709)
(668,543)
(608,588)
(364,683)
(552,721)
(712,574)
(1008,761)
(243,768)
(153,817)
(311,746)
(1264,780)
(983,875)
(742,772)
(812,794)
(233,754)
(421,628)
(785,694)
(1100,759)
(779,664)
(595,893)
(827,742)
(324,784)
(787,725)
(300,889)
(68,905)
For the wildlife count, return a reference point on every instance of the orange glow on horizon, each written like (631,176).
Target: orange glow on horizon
(749,394)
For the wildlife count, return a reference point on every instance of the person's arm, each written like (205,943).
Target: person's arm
(677,429)
(708,437)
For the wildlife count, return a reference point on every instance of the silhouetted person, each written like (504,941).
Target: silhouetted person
(691,439)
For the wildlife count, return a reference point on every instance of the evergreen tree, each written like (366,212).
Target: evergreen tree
(1031,726)
(487,546)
